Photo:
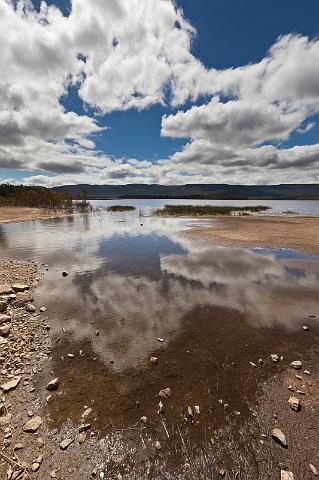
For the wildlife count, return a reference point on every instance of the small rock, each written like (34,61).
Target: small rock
(222,472)
(294,403)
(285,475)
(313,469)
(64,274)
(86,413)
(30,308)
(253,364)
(301,392)
(157,445)
(19,287)
(161,340)
(306,372)
(296,364)
(5,330)
(190,411)
(40,442)
(197,410)
(53,384)
(144,420)
(81,438)
(97,333)
(18,446)
(279,437)
(66,443)
(260,361)
(84,427)
(35,466)
(5,420)
(161,408)
(32,425)
(6,290)
(4,319)
(71,355)
(165,393)
(305,328)
(12,384)
(153,360)
(274,357)
(42,309)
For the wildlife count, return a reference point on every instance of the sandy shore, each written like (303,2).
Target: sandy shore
(19,214)
(300,233)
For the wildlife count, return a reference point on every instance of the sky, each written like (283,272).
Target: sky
(159,91)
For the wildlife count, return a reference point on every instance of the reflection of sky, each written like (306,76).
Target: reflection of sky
(135,283)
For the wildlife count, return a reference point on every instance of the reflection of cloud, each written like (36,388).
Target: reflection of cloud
(132,308)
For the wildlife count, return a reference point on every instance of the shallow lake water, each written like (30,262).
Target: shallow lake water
(132,280)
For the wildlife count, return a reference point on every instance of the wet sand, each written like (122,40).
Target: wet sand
(300,233)
(22,214)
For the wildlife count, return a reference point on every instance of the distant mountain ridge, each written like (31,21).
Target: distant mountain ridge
(196,191)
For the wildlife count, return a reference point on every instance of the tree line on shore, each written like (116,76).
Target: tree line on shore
(39,197)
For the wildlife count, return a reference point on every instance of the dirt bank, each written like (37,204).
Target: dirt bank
(300,233)
(18,214)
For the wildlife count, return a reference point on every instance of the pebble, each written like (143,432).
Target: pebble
(296,364)
(157,445)
(32,425)
(279,437)
(144,420)
(11,385)
(42,309)
(66,443)
(286,475)
(274,357)
(165,393)
(161,340)
(305,328)
(294,403)
(153,360)
(313,469)
(53,384)
(253,364)
(81,438)
(197,410)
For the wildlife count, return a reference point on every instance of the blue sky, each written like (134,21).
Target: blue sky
(230,34)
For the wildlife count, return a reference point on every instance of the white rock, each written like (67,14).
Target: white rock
(294,403)
(274,357)
(165,393)
(296,364)
(285,475)
(157,445)
(279,437)
(313,469)
(197,410)
(153,360)
(6,387)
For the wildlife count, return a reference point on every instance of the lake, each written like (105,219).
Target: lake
(134,280)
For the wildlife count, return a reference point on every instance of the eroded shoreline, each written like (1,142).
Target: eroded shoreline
(24,214)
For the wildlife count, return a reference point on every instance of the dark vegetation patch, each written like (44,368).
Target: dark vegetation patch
(208,210)
(120,208)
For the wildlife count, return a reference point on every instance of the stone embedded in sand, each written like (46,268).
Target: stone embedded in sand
(66,443)
(12,384)
(87,412)
(274,357)
(285,475)
(5,330)
(30,308)
(65,274)
(279,437)
(222,472)
(252,364)
(153,360)
(20,287)
(294,403)
(35,466)
(18,303)
(5,420)
(84,427)
(190,411)
(144,420)
(42,309)
(296,364)
(165,393)
(4,319)
(160,339)
(3,305)
(161,408)
(81,438)
(157,445)
(6,290)
(18,446)
(197,410)
(305,328)
(314,470)
(32,425)
(53,385)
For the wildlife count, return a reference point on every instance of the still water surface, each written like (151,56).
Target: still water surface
(136,279)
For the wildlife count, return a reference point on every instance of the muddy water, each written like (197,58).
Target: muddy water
(133,280)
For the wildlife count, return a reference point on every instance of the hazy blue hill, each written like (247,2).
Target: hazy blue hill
(201,191)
